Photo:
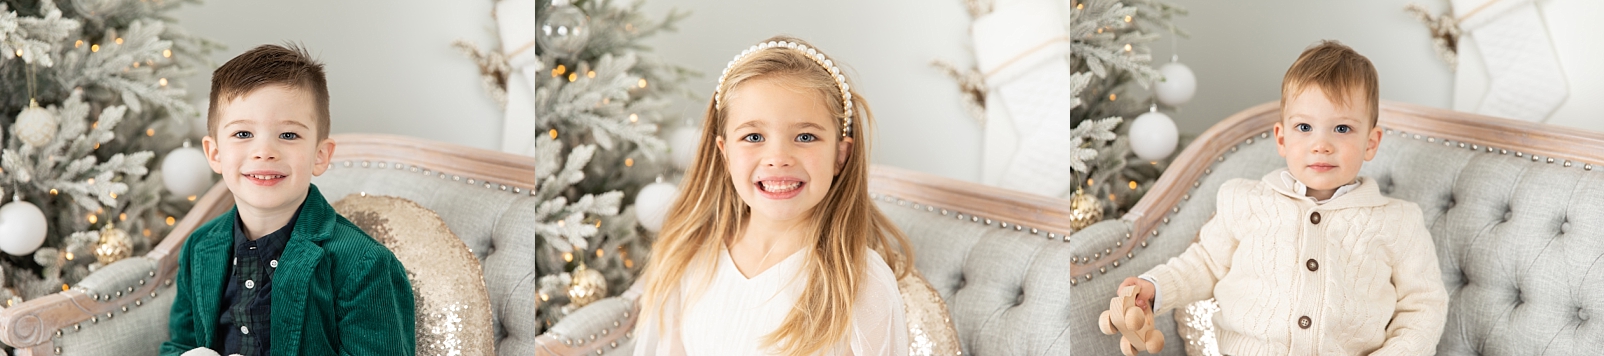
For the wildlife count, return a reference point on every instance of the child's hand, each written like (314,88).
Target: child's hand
(1144,291)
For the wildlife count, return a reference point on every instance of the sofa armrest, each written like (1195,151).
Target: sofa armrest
(122,299)
(603,327)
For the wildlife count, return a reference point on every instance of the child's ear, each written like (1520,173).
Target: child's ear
(843,149)
(1280,141)
(209,148)
(324,156)
(1375,143)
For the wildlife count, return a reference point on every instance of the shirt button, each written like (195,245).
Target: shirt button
(1314,218)
(236,261)
(1304,322)
(273,263)
(249,284)
(247,331)
(1312,264)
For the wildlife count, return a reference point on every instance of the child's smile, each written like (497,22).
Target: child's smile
(1325,143)
(780,142)
(267,149)
(780,187)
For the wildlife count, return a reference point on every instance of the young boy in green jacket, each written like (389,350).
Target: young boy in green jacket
(282,273)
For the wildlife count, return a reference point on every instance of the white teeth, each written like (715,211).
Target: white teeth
(264,177)
(777,187)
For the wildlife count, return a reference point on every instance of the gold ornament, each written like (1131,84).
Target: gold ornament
(1085,210)
(587,286)
(114,245)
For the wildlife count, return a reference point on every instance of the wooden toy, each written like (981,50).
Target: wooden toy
(1135,325)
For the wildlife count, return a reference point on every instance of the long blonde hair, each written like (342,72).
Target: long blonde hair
(708,214)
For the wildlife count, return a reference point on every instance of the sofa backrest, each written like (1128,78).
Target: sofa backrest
(1516,210)
(484,198)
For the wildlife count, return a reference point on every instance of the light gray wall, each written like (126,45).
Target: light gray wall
(886,46)
(390,65)
(1239,51)
(392,69)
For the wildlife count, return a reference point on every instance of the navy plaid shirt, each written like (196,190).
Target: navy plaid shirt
(244,327)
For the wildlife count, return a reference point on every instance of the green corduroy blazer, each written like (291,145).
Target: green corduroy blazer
(336,291)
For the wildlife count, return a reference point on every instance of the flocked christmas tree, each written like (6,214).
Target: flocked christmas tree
(1112,72)
(92,104)
(600,99)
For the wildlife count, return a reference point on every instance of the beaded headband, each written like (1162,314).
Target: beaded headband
(812,53)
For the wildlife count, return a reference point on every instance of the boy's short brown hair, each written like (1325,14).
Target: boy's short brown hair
(1339,71)
(270,65)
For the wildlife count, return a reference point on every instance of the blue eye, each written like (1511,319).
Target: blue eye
(752,138)
(1304,128)
(289,136)
(243,135)
(1344,129)
(807,137)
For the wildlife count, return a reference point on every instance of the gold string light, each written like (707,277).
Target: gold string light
(642,83)
(94,48)
(167,53)
(553,133)
(590,74)
(634,118)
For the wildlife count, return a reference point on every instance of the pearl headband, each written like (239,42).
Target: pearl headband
(812,53)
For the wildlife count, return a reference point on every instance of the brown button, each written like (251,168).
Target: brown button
(1312,264)
(1314,218)
(1304,322)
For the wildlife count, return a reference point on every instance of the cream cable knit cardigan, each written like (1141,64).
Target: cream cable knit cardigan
(1357,275)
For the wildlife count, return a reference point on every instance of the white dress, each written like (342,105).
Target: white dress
(734,313)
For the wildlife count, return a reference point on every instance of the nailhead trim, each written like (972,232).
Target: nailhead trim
(429,172)
(1501,151)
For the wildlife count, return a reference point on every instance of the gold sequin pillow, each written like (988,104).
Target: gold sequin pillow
(930,330)
(448,288)
(1195,323)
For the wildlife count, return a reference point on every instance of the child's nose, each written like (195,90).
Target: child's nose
(264,152)
(778,157)
(1321,147)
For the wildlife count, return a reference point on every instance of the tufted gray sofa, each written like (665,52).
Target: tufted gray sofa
(1516,210)
(483,197)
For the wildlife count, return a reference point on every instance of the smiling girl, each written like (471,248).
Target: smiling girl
(774,246)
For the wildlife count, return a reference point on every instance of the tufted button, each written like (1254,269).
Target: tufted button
(1565,227)
(1304,322)
(1508,214)
(1314,218)
(1581,314)
(1312,265)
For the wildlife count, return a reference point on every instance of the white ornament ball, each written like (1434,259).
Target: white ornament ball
(1153,136)
(1178,85)
(651,204)
(682,146)
(35,126)
(185,172)
(22,228)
